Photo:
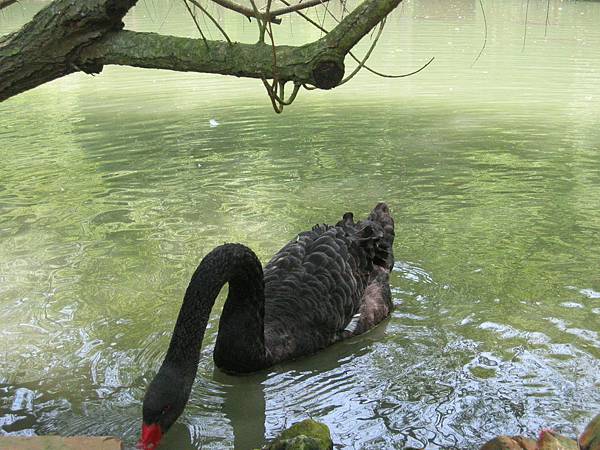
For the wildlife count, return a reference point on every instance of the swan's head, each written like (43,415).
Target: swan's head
(164,402)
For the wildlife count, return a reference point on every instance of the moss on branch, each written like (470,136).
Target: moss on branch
(84,35)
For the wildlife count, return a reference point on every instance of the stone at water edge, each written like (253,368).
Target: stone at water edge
(549,440)
(305,435)
(300,442)
(510,443)
(590,438)
(59,443)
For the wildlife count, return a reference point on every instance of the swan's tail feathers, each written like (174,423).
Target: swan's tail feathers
(384,247)
(375,235)
(321,228)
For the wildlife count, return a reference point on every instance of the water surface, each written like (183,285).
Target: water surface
(113,187)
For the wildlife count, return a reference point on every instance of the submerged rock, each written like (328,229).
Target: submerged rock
(549,440)
(510,443)
(298,443)
(305,435)
(590,438)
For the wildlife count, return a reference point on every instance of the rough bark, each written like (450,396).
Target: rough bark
(84,35)
(6,3)
(49,46)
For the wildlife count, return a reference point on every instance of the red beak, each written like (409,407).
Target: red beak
(151,435)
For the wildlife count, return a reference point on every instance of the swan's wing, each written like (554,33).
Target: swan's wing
(313,287)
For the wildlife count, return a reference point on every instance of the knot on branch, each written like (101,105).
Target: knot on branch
(328,74)
(115,10)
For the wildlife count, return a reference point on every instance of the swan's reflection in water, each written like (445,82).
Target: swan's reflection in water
(244,407)
(259,406)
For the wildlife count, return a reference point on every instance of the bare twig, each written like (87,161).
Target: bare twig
(248,12)
(276,90)
(270,32)
(196,22)
(272,90)
(526,20)
(547,19)
(305,17)
(485,35)
(297,7)
(373,71)
(277,100)
(367,55)
(273,96)
(213,20)
(260,21)
(404,75)
(293,96)
(271,16)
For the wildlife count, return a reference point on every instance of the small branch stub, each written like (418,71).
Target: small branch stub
(328,74)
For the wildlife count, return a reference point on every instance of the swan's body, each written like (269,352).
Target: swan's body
(325,285)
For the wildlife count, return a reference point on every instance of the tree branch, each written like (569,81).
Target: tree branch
(156,51)
(358,23)
(248,12)
(297,7)
(7,3)
(69,36)
(47,47)
(272,15)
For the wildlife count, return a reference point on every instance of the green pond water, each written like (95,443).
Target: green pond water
(112,188)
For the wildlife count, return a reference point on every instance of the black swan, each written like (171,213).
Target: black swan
(325,285)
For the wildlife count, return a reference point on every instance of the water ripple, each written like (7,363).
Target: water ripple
(113,188)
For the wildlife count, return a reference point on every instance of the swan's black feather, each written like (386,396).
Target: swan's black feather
(317,282)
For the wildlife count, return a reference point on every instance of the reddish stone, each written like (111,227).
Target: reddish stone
(60,443)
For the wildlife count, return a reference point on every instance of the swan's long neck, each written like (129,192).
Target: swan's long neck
(240,342)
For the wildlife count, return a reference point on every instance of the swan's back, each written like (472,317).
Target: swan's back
(316,286)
